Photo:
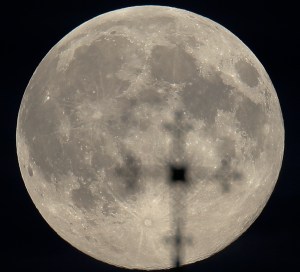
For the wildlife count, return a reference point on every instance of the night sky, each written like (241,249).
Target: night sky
(271,30)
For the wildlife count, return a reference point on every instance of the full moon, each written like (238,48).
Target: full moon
(97,132)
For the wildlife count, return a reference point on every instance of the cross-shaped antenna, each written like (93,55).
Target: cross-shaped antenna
(178,178)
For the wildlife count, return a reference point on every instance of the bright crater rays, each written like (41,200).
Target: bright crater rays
(102,115)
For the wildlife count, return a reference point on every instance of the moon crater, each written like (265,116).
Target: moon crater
(247,73)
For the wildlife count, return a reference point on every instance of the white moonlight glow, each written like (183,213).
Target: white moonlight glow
(93,141)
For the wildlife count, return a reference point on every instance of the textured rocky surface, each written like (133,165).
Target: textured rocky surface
(93,145)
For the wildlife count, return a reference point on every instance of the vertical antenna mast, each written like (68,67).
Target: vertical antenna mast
(178,182)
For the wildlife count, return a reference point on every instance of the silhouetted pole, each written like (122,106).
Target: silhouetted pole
(178,183)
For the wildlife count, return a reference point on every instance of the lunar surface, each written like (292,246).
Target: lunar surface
(96,132)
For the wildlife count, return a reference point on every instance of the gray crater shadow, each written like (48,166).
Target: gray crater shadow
(129,174)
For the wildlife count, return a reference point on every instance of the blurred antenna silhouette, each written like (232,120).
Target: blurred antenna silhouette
(178,129)
(178,181)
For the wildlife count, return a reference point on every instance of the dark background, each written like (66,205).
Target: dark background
(30,28)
